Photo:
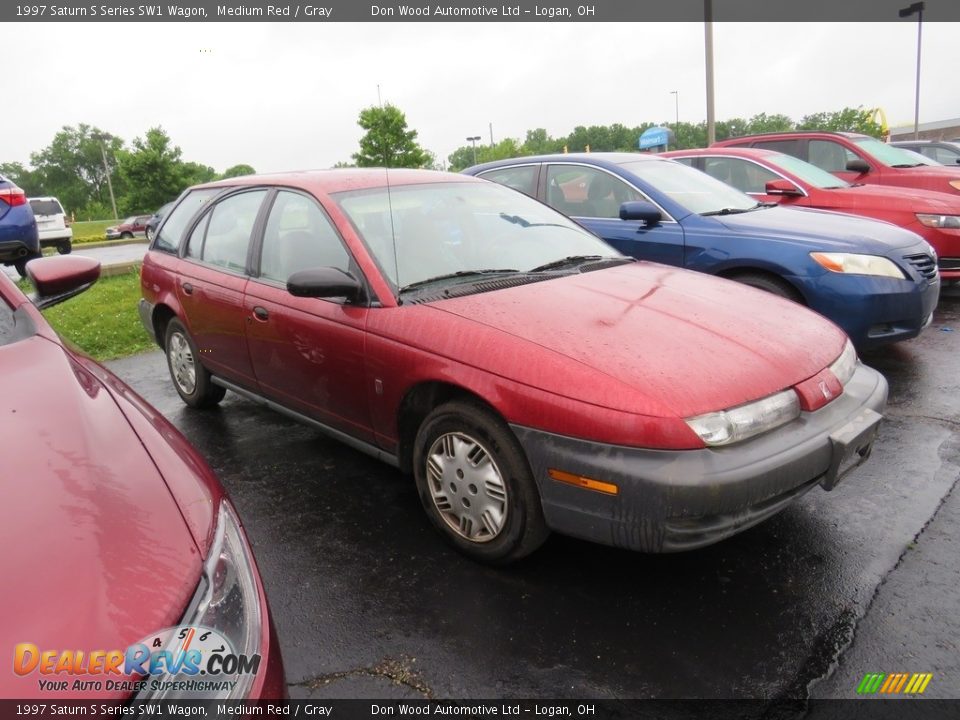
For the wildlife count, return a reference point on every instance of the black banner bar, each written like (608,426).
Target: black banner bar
(640,11)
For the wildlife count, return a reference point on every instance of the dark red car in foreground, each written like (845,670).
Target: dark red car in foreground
(529,376)
(771,176)
(119,544)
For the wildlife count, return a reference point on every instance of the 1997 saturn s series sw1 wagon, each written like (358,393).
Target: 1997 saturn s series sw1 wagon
(529,376)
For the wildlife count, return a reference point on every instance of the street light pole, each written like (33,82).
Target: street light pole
(708,56)
(676,104)
(917,8)
(106,169)
(474,141)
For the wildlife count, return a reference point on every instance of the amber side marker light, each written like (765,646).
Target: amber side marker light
(583,482)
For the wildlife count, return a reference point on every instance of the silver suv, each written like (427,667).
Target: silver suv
(55,230)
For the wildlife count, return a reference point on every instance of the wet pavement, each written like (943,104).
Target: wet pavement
(108,255)
(368,601)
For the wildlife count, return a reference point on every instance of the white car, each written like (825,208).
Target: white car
(52,224)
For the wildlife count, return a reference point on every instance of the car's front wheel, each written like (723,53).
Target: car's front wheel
(126,235)
(190,378)
(475,483)
(770,284)
(148,234)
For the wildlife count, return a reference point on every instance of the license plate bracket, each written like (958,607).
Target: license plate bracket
(851,445)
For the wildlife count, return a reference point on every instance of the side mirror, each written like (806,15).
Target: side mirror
(61,277)
(645,212)
(324,282)
(858,166)
(782,187)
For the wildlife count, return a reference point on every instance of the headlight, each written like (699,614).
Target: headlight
(745,421)
(845,366)
(226,602)
(939,221)
(854,264)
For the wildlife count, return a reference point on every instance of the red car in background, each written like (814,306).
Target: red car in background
(855,158)
(133,225)
(119,543)
(529,376)
(773,176)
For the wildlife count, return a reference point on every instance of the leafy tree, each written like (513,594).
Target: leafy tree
(71,167)
(195,173)
(388,142)
(763,123)
(846,120)
(238,170)
(29,180)
(462,157)
(539,142)
(154,173)
(342,164)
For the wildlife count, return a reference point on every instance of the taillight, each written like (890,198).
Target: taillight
(13,196)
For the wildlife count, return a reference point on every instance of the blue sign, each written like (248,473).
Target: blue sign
(655,137)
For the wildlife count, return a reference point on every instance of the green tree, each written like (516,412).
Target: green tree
(71,167)
(539,142)
(154,173)
(763,123)
(388,142)
(238,171)
(29,180)
(847,120)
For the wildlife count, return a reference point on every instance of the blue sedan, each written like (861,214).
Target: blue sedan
(875,280)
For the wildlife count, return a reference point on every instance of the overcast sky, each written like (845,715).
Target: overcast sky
(287,96)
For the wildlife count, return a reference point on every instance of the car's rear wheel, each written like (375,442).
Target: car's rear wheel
(475,483)
(21,263)
(190,378)
(64,248)
(770,284)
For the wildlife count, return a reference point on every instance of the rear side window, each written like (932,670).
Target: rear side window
(46,207)
(830,156)
(744,175)
(229,230)
(168,238)
(523,178)
(790,147)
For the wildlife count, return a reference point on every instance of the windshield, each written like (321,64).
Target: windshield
(887,154)
(694,190)
(130,220)
(419,232)
(810,174)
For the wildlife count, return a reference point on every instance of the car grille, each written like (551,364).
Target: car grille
(924,264)
(949,263)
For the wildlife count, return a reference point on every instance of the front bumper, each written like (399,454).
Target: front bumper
(671,500)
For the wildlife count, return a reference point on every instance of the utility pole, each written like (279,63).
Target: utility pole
(708,52)
(106,169)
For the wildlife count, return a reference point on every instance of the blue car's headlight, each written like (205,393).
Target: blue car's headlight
(856,264)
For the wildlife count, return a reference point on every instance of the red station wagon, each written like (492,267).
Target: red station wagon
(529,376)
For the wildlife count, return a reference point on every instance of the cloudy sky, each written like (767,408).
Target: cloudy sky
(286,96)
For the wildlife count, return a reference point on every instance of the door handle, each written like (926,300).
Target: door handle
(261,313)
(187,288)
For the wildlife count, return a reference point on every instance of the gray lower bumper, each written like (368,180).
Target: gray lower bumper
(670,500)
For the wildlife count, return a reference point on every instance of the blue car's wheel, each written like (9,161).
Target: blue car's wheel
(770,284)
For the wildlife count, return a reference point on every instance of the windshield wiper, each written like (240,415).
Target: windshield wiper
(728,211)
(458,274)
(573,260)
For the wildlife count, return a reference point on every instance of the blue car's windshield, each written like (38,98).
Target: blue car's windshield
(694,190)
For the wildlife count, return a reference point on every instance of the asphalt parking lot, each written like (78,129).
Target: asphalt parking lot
(368,601)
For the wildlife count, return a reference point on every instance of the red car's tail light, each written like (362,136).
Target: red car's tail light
(13,196)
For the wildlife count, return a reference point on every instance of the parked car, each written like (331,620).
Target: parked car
(19,239)
(770,176)
(52,224)
(944,152)
(133,225)
(876,281)
(114,527)
(855,158)
(530,377)
(155,219)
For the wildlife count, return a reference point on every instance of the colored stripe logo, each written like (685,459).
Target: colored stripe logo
(894,683)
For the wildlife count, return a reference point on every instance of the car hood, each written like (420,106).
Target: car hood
(884,197)
(97,554)
(823,230)
(654,339)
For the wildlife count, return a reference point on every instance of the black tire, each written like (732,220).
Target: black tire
(182,356)
(499,458)
(770,284)
(126,236)
(64,248)
(21,263)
